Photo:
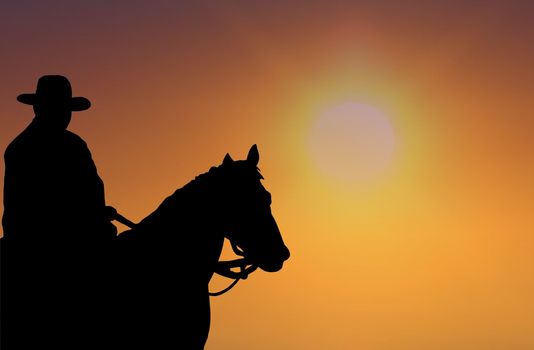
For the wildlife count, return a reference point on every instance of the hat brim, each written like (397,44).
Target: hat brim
(76,104)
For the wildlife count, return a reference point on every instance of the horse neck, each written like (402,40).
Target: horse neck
(185,224)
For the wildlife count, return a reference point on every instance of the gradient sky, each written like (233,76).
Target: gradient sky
(436,253)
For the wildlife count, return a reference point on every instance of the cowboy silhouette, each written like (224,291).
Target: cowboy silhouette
(52,190)
(55,225)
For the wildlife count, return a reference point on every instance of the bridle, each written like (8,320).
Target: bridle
(223,268)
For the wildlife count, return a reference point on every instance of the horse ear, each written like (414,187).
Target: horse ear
(227,159)
(253,155)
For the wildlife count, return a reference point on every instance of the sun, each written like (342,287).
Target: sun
(352,142)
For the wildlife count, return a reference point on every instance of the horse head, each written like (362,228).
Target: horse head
(246,217)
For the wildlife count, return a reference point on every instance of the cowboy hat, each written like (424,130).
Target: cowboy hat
(55,89)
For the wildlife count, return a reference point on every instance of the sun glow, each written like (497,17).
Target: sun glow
(352,142)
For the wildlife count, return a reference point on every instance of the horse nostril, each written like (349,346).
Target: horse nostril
(285,253)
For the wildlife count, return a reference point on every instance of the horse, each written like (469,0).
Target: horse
(165,263)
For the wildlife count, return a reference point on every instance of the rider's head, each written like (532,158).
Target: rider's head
(53,103)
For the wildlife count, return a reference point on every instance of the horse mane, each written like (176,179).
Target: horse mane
(193,191)
(215,171)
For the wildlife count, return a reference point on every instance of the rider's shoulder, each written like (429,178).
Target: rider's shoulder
(17,145)
(75,139)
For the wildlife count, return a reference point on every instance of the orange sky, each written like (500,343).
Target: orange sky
(434,254)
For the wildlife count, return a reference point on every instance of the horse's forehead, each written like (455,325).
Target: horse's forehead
(244,169)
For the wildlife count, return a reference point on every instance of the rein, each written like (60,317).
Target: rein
(223,268)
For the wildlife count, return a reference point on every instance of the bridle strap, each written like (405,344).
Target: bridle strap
(224,268)
(221,292)
(236,249)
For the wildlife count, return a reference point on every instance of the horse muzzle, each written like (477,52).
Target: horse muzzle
(275,261)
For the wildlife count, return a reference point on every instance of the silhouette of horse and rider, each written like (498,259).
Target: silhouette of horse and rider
(70,282)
